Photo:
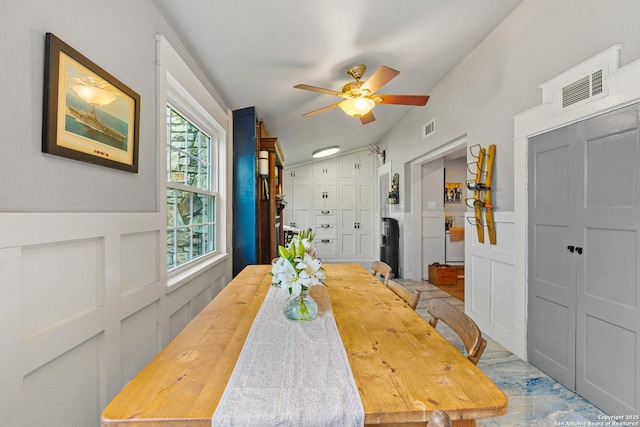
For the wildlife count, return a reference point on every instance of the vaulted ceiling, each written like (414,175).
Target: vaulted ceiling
(254,52)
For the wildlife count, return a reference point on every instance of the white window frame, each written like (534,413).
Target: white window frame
(212,189)
(178,87)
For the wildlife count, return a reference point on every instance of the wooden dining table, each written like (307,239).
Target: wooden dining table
(403,368)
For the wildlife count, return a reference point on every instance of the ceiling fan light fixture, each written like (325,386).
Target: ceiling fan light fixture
(325,152)
(357,107)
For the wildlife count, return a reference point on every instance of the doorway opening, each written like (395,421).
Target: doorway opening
(428,201)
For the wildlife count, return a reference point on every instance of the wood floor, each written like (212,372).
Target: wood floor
(456,290)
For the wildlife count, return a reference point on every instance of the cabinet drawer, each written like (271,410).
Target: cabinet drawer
(324,231)
(326,248)
(324,216)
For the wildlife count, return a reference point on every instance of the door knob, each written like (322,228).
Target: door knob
(571,248)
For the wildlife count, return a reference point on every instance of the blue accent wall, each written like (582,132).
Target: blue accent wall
(245,190)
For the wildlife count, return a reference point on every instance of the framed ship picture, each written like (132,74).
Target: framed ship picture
(89,115)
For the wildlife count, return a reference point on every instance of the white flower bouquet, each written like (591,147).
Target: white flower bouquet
(297,269)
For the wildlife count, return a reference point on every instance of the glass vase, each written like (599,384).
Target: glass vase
(301,308)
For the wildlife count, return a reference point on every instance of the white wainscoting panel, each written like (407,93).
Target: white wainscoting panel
(139,263)
(84,305)
(491,296)
(69,384)
(60,281)
(178,320)
(139,340)
(433,235)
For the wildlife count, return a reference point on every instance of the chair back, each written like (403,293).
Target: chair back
(410,297)
(461,324)
(439,418)
(383,269)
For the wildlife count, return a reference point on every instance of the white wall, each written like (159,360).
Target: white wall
(83,298)
(498,80)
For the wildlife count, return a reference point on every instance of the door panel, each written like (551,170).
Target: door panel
(609,365)
(584,304)
(607,219)
(553,350)
(552,278)
(610,265)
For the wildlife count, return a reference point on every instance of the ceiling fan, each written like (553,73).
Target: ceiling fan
(360,97)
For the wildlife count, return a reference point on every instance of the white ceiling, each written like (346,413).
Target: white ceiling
(254,52)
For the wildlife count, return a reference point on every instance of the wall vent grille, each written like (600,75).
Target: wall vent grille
(429,128)
(582,89)
(596,83)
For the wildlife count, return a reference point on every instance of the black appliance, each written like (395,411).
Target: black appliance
(390,244)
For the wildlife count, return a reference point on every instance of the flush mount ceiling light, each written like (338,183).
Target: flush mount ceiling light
(357,107)
(325,152)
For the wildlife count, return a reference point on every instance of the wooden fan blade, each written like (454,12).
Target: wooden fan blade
(318,89)
(403,99)
(367,118)
(320,110)
(381,77)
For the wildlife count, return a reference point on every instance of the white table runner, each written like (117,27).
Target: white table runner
(291,374)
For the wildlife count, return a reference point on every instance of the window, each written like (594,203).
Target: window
(193,172)
(191,196)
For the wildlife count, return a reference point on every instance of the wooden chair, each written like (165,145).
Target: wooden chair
(439,418)
(383,269)
(461,324)
(410,297)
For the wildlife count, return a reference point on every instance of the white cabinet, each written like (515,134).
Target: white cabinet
(357,215)
(328,168)
(298,172)
(297,192)
(358,164)
(336,198)
(325,228)
(325,193)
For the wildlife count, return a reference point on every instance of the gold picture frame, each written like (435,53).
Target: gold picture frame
(89,115)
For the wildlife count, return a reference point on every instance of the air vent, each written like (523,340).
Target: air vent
(429,128)
(582,89)
(596,83)
(585,83)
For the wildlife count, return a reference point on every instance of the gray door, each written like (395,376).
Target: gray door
(590,240)
(552,272)
(607,218)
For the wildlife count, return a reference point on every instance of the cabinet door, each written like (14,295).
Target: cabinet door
(287,190)
(366,193)
(298,172)
(331,188)
(348,164)
(326,169)
(366,235)
(348,236)
(325,194)
(301,209)
(356,164)
(366,227)
(348,194)
(366,165)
